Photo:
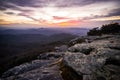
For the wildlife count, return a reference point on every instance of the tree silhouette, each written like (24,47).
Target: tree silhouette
(111,28)
(94,31)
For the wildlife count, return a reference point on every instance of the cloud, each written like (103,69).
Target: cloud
(115,12)
(59,11)
(50,3)
(110,13)
(73,3)
(59,18)
(112,18)
(25,15)
(30,5)
(1,20)
(7,5)
(2,8)
(9,13)
(16,2)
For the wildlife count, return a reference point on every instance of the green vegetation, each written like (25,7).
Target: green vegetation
(111,28)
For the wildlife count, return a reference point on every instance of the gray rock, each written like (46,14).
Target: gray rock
(50,55)
(48,70)
(62,48)
(88,39)
(89,59)
(25,67)
(44,73)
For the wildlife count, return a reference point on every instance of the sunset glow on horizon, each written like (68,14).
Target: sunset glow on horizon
(58,13)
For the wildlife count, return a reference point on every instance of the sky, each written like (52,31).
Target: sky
(58,13)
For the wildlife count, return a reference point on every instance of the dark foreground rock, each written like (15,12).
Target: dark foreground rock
(98,60)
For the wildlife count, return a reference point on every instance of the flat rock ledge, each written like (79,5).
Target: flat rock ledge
(98,60)
(46,67)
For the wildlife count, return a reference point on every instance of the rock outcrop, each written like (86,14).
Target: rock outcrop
(88,58)
(98,60)
(46,67)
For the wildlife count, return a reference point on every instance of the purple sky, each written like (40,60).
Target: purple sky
(58,13)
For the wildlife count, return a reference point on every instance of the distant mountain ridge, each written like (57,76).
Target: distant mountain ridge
(46,31)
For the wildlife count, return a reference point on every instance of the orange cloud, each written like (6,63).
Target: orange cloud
(67,23)
(5,23)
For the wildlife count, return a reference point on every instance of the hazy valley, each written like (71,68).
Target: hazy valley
(21,45)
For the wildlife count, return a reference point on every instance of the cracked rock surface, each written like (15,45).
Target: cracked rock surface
(98,60)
